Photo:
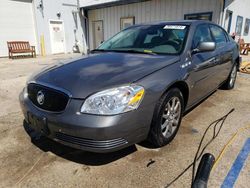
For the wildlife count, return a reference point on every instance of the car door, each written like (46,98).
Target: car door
(202,71)
(224,52)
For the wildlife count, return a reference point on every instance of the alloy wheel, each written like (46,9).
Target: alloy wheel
(171,117)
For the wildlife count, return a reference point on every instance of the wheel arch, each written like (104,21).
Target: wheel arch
(183,87)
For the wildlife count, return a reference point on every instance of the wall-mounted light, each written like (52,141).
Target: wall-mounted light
(40,5)
(58,15)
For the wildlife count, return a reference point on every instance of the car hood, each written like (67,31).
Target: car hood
(95,72)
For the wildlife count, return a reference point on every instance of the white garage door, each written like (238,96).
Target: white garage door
(16,23)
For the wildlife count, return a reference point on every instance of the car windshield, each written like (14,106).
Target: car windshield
(155,39)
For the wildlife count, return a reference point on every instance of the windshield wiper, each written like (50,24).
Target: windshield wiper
(98,50)
(136,51)
(126,51)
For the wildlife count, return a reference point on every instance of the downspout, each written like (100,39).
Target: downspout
(78,5)
(222,12)
(80,47)
(87,29)
(84,14)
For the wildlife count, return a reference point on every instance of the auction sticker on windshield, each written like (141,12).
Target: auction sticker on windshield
(174,27)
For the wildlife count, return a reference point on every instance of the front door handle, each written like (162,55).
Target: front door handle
(215,61)
(212,61)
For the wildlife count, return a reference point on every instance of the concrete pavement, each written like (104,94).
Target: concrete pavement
(44,163)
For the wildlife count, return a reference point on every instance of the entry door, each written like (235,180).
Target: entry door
(228,20)
(57,37)
(97,33)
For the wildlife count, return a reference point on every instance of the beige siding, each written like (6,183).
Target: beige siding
(148,11)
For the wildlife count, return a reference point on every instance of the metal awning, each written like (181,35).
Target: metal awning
(110,4)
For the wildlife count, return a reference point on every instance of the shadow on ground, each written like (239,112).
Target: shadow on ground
(75,155)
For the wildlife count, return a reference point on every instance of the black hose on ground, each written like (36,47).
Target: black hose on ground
(203,171)
(216,125)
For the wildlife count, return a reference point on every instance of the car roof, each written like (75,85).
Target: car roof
(179,22)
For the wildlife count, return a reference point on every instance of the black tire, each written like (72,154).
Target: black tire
(156,134)
(230,82)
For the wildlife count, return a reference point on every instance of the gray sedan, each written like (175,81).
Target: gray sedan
(134,86)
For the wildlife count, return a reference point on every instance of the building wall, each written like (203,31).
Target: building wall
(49,12)
(149,11)
(238,8)
(16,23)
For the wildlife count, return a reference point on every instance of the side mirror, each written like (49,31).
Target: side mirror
(205,47)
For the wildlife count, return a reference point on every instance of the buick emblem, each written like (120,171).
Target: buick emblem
(40,97)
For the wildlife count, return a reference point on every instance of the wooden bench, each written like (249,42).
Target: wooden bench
(18,47)
(244,48)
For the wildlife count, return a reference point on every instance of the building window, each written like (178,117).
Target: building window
(127,22)
(246,27)
(239,23)
(199,16)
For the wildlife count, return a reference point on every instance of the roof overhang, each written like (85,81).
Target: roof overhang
(109,3)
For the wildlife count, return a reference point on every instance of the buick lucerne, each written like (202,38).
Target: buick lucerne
(134,86)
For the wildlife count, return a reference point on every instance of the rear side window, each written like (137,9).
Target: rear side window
(202,34)
(219,34)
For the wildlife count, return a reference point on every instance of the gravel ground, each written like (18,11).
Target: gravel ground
(44,163)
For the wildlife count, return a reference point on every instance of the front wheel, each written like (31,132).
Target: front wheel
(167,118)
(230,82)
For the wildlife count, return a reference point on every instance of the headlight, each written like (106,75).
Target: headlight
(114,101)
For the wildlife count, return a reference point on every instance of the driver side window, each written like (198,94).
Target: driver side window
(202,34)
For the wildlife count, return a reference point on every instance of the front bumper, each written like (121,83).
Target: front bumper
(88,132)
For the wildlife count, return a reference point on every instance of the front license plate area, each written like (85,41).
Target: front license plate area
(38,123)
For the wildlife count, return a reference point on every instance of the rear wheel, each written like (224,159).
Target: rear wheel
(229,84)
(167,118)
